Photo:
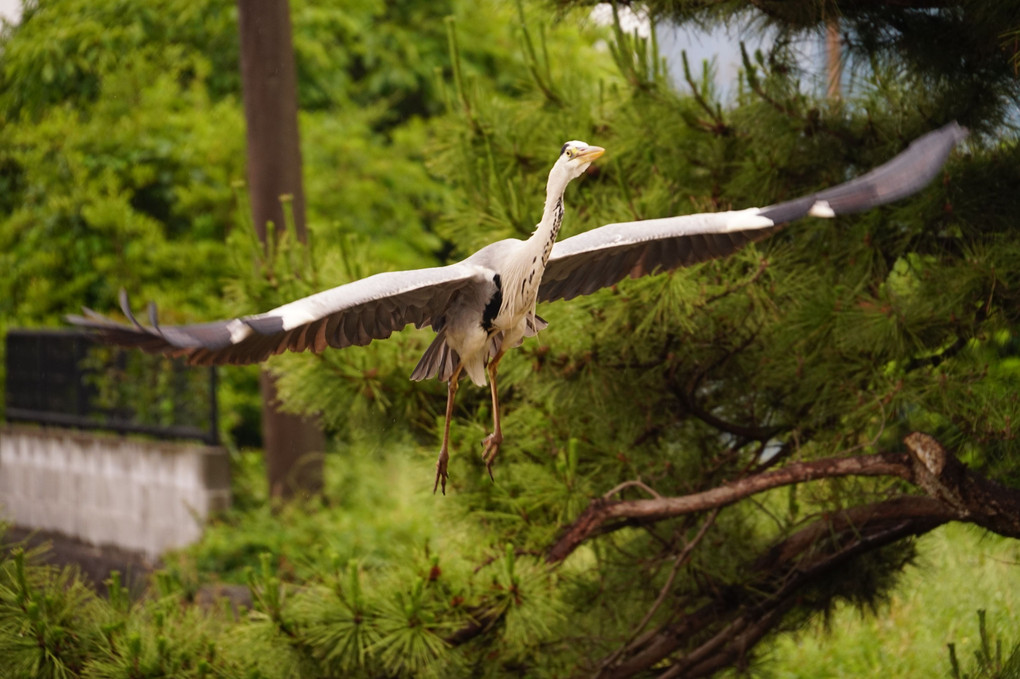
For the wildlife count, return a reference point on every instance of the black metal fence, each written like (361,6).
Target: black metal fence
(64,378)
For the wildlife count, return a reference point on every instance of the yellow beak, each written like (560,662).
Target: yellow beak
(590,154)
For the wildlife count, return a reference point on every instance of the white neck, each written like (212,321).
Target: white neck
(552,214)
(522,273)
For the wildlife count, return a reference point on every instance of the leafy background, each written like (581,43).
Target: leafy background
(121,146)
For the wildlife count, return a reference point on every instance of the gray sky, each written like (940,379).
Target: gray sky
(722,44)
(10,9)
(719,45)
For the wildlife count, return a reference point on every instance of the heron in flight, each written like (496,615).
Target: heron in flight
(485,305)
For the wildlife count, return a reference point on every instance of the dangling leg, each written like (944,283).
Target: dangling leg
(492,441)
(444,452)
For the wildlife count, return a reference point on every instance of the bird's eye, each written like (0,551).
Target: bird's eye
(567,150)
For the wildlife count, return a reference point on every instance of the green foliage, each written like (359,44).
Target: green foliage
(957,569)
(52,624)
(353,619)
(122,136)
(61,53)
(963,53)
(307,537)
(828,339)
(987,663)
(44,618)
(145,389)
(116,148)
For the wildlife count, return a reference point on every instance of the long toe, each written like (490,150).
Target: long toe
(441,477)
(441,474)
(491,444)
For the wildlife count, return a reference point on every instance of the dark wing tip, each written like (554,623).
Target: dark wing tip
(125,307)
(172,340)
(902,176)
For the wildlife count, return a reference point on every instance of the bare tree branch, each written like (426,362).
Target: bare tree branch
(733,618)
(942,476)
(601,511)
(761,618)
(737,617)
(720,628)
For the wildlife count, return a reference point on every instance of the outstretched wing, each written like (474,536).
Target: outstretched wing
(601,257)
(351,314)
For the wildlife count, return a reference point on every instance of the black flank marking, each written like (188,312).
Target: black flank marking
(492,307)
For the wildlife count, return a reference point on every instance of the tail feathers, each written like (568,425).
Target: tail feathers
(535,323)
(439,360)
(495,343)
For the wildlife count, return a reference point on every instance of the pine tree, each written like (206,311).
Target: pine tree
(710,456)
(695,460)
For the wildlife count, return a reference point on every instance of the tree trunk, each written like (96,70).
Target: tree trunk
(293,444)
(833,59)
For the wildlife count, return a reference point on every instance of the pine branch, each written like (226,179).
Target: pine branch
(756,620)
(737,617)
(600,512)
(686,396)
(743,431)
(810,122)
(958,345)
(681,559)
(717,123)
(970,496)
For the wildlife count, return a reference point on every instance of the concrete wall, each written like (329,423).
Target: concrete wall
(110,490)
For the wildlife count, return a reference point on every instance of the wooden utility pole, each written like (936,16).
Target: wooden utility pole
(834,58)
(293,444)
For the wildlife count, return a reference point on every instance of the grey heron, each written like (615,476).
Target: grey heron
(485,305)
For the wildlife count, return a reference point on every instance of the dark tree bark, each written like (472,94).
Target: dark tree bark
(696,638)
(722,631)
(293,444)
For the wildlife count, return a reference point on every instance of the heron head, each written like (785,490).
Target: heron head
(576,156)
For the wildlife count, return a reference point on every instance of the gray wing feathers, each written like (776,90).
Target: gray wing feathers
(352,314)
(374,307)
(906,174)
(578,270)
(601,257)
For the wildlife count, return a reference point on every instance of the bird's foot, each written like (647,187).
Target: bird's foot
(441,474)
(491,450)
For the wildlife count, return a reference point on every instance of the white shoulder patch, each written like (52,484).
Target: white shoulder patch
(822,209)
(745,220)
(238,330)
